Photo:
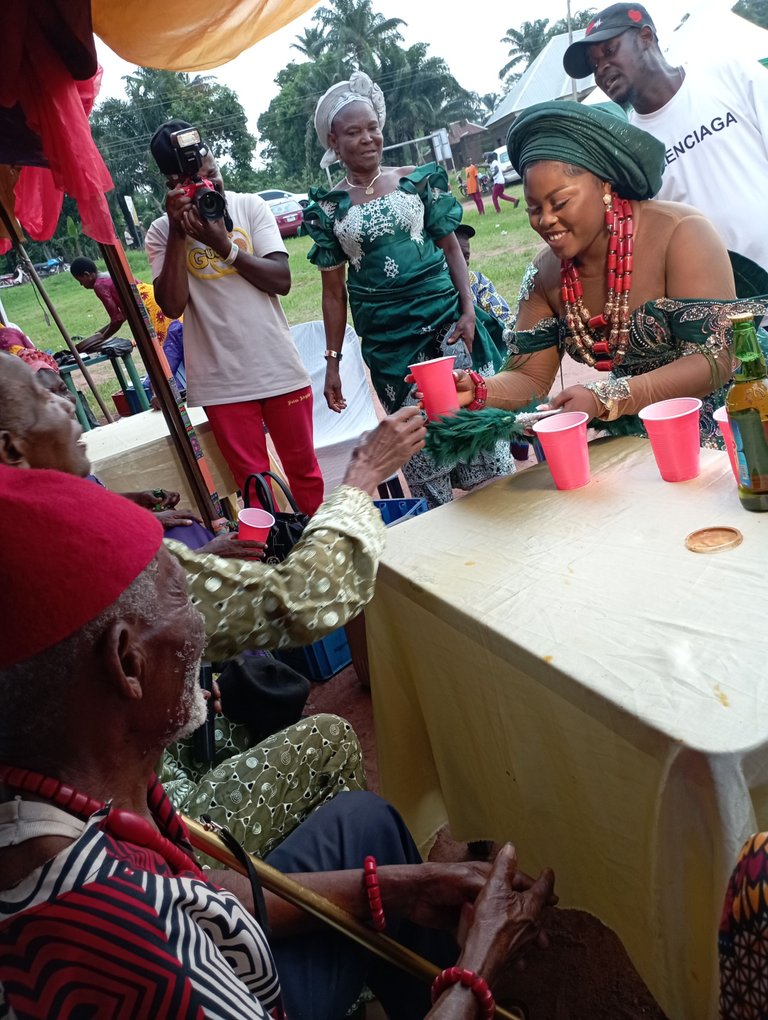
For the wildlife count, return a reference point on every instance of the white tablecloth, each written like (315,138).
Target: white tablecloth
(137,453)
(556,668)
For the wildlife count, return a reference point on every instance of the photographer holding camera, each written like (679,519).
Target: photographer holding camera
(217,256)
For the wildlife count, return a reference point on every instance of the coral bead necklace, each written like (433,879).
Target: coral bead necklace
(610,350)
(123,825)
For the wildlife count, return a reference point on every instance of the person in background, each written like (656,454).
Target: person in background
(173,348)
(497,176)
(87,275)
(241,362)
(712,119)
(386,249)
(484,293)
(473,188)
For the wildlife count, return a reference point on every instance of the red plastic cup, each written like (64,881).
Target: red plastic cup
(721,417)
(563,438)
(673,429)
(435,380)
(254,524)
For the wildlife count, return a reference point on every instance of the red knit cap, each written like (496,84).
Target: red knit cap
(68,549)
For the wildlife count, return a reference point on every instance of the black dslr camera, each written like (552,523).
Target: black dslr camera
(189,151)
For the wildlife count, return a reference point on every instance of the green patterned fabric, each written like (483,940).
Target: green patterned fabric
(601,142)
(660,332)
(401,295)
(262,793)
(327,579)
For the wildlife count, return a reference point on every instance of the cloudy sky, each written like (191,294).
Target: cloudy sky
(470,44)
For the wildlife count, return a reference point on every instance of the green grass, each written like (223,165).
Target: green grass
(501,249)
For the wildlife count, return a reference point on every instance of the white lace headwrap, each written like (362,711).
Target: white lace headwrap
(359,88)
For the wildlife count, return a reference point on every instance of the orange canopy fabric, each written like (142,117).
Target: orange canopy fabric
(189,35)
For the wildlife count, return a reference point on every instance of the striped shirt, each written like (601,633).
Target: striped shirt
(107,930)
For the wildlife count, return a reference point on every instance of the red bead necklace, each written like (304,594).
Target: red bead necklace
(605,353)
(123,825)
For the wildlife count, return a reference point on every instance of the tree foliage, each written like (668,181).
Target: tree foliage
(346,35)
(122,129)
(526,42)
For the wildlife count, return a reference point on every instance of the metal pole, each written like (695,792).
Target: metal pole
(183,435)
(30,269)
(574,91)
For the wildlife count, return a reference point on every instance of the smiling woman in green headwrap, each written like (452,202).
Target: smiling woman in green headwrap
(640,290)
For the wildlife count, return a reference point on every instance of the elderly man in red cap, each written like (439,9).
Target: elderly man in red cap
(260,791)
(104,911)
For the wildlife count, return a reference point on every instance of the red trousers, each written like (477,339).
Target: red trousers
(478,198)
(239,431)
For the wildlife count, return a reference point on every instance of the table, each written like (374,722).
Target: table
(137,453)
(556,668)
(97,359)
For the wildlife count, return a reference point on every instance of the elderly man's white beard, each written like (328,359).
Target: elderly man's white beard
(192,709)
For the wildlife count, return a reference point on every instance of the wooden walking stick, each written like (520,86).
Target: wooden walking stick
(206,841)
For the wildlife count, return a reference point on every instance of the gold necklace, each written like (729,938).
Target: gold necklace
(368,187)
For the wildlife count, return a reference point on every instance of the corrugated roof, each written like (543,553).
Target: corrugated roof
(545,79)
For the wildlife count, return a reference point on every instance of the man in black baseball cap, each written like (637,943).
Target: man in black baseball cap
(709,116)
(614,20)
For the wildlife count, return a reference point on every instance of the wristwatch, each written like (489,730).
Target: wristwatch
(335,355)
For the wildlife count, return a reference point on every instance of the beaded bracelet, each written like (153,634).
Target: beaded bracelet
(371,880)
(481,391)
(476,984)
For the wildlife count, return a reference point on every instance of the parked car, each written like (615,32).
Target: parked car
(511,176)
(275,193)
(288,214)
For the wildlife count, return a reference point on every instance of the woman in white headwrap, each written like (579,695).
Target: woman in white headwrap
(384,236)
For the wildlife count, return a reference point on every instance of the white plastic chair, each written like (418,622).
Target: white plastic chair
(336,435)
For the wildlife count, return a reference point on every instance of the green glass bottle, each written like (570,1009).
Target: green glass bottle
(747,406)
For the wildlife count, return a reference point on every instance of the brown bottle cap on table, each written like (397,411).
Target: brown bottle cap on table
(714,539)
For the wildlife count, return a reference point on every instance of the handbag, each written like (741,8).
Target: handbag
(262,693)
(288,527)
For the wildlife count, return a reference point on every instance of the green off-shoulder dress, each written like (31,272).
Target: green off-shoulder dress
(403,301)
(660,332)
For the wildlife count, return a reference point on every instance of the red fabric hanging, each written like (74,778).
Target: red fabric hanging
(56,108)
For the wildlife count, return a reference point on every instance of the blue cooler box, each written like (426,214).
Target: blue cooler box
(396,510)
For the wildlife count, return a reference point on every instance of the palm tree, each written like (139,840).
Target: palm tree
(489,101)
(356,31)
(421,93)
(525,43)
(313,43)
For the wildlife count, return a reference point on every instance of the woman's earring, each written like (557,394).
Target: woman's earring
(607,200)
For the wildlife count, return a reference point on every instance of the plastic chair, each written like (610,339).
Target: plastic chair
(336,435)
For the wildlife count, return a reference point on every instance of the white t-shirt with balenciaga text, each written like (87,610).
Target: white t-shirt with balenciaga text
(715,133)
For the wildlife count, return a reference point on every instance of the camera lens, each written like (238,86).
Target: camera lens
(210,204)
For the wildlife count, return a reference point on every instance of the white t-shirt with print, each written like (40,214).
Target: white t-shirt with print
(237,342)
(715,133)
(496,172)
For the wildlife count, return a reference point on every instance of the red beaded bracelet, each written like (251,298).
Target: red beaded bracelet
(481,391)
(476,984)
(371,880)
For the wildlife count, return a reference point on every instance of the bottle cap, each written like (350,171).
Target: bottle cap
(742,317)
(714,539)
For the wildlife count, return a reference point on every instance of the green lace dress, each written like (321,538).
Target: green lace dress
(403,301)
(661,331)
